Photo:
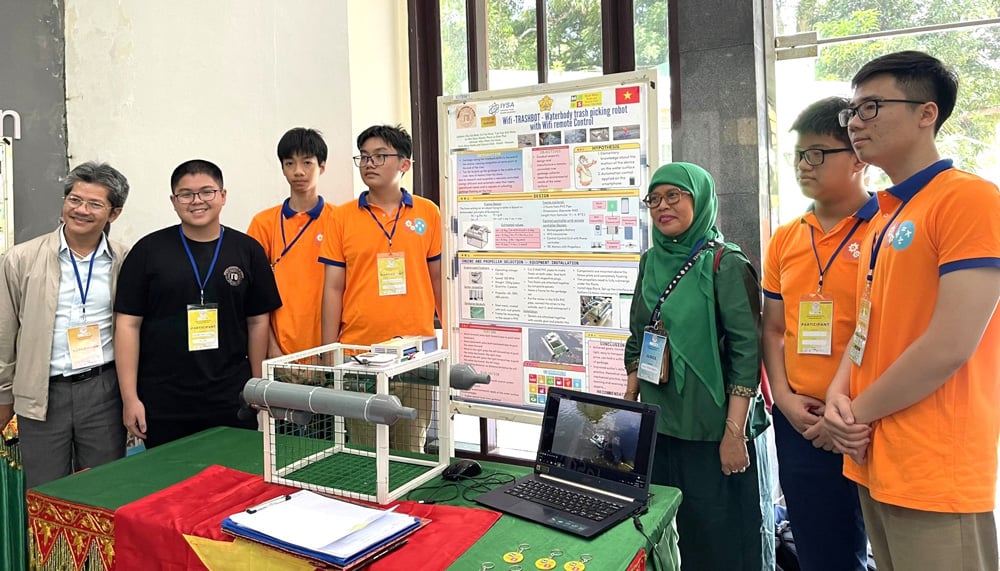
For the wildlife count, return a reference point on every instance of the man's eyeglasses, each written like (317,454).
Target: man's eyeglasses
(868,110)
(671,197)
(815,157)
(205,194)
(376,160)
(92,205)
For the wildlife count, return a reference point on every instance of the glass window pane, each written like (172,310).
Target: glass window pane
(651,53)
(466,431)
(512,43)
(832,19)
(574,39)
(454,47)
(517,439)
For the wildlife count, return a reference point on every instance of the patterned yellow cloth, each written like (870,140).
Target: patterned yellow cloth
(242,555)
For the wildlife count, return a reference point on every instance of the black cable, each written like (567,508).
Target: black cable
(464,486)
(657,564)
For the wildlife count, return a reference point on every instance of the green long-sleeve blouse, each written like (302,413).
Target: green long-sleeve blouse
(692,414)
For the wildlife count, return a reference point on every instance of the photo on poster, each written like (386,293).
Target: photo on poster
(624,310)
(599,135)
(572,136)
(596,311)
(528,140)
(626,132)
(555,346)
(550,138)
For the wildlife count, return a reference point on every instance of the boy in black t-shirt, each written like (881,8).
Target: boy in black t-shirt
(192,316)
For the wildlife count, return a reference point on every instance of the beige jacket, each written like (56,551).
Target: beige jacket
(29,291)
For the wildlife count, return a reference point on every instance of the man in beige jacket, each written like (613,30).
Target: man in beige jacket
(56,356)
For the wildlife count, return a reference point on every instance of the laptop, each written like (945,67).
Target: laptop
(593,465)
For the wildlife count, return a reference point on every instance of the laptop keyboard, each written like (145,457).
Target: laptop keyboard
(560,498)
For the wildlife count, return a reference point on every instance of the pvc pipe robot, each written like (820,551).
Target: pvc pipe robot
(296,402)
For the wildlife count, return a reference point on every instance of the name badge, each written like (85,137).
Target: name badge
(203,326)
(85,346)
(391,274)
(653,359)
(856,349)
(815,333)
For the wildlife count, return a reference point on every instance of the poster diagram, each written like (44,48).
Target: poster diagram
(543,197)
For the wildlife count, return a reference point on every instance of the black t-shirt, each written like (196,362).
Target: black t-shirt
(157,283)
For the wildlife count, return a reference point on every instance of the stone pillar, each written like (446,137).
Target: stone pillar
(32,84)
(722,107)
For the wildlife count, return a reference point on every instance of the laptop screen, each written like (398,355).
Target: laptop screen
(598,437)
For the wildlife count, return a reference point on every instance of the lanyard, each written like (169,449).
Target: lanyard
(394,224)
(211,266)
(822,269)
(286,246)
(79,282)
(699,248)
(877,243)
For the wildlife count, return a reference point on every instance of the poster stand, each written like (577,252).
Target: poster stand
(540,190)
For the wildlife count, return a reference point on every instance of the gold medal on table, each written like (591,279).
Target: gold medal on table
(549,562)
(516,556)
(579,564)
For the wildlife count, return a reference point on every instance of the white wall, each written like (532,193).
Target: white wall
(380,72)
(152,84)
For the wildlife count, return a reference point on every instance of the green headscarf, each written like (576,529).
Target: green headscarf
(689,313)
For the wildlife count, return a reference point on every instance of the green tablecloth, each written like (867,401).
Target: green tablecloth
(13,548)
(113,485)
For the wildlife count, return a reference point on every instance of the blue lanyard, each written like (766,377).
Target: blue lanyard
(194,265)
(822,269)
(79,282)
(287,247)
(394,224)
(877,243)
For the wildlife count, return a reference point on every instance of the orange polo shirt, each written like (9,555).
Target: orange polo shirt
(358,234)
(292,240)
(940,454)
(792,269)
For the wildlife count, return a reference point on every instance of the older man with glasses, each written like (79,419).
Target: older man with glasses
(57,363)
(192,316)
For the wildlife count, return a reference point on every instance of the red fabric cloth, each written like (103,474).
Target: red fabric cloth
(151,529)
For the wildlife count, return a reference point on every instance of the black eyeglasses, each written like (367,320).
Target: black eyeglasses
(868,110)
(815,157)
(92,205)
(671,197)
(376,160)
(205,194)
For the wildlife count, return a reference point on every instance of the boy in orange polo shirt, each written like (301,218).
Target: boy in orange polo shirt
(915,401)
(383,269)
(291,233)
(810,274)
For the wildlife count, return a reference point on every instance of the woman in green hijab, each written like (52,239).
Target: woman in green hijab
(707,383)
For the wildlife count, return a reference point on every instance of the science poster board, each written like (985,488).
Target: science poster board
(541,191)
(6,193)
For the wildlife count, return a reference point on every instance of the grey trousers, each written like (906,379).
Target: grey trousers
(83,429)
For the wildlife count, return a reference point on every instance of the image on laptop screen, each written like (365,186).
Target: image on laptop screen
(597,440)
